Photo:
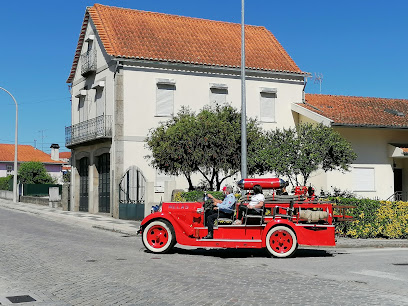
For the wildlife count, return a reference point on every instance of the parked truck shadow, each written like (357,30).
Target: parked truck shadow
(247,253)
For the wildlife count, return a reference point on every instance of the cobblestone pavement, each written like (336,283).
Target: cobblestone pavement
(62,259)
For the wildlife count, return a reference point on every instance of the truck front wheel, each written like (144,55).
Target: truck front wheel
(281,241)
(159,236)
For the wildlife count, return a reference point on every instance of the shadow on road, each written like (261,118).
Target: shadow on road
(246,253)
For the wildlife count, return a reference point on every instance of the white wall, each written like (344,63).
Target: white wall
(371,147)
(192,90)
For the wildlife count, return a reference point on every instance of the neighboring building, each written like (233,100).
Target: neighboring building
(27,153)
(378,131)
(133,69)
(66,158)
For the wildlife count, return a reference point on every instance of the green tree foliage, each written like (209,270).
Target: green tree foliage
(34,173)
(297,152)
(6,183)
(208,143)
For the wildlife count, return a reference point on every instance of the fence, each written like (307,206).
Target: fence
(39,189)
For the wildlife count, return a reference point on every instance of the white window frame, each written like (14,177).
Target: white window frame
(267,104)
(9,170)
(218,94)
(364,179)
(165,89)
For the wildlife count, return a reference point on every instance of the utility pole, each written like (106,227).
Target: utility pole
(42,139)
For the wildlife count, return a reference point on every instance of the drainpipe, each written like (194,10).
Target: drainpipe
(303,92)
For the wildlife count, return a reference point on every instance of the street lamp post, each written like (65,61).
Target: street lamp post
(15,150)
(243,97)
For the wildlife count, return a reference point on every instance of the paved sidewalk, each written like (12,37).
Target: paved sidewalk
(99,221)
(128,227)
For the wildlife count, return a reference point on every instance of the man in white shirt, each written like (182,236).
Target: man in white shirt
(254,207)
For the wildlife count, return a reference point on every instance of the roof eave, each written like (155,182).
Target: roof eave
(370,126)
(204,65)
(296,107)
(79,47)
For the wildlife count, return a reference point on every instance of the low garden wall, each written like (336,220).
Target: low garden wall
(5,194)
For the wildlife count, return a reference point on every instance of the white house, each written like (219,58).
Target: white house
(133,69)
(377,128)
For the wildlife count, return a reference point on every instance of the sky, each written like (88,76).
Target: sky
(359,47)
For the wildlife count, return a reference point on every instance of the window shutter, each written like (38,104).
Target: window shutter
(218,96)
(267,107)
(363,179)
(165,100)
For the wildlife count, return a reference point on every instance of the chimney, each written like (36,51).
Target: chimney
(55,151)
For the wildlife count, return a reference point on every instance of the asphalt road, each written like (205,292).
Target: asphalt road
(61,264)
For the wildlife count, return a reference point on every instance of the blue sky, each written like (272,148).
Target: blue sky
(359,46)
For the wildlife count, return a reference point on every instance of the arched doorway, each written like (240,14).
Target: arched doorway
(132,188)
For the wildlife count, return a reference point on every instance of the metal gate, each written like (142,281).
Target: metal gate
(83,183)
(132,187)
(104,182)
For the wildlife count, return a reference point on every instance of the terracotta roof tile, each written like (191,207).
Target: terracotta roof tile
(359,111)
(64,154)
(161,37)
(25,153)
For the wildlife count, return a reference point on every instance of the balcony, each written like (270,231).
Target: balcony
(88,62)
(92,130)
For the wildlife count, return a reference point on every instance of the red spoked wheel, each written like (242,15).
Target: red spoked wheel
(281,241)
(159,236)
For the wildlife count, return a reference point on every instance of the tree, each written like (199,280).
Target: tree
(34,173)
(208,143)
(173,145)
(297,152)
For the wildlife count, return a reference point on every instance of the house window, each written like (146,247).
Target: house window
(267,105)
(82,108)
(99,98)
(363,179)
(165,97)
(90,41)
(218,94)
(9,169)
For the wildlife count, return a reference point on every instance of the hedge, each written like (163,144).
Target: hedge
(374,219)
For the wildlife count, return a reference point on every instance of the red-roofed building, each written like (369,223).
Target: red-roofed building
(133,69)
(377,128)
(27,153)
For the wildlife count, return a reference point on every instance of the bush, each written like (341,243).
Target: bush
(6,183)
(196,195)
(374,219)
(34,173)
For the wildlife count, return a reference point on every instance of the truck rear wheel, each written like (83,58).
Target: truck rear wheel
(159,236)
(281,241)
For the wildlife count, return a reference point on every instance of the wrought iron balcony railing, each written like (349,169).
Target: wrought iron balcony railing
(89,130)
(88,62)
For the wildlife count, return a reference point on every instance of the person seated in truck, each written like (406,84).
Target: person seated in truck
(254,207)
(222,209)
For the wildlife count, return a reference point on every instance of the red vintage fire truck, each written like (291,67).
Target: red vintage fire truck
(287,221)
